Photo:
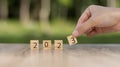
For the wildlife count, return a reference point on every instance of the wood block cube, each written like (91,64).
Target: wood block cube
(34,44)
(72,40)
(47,44)
(58,44)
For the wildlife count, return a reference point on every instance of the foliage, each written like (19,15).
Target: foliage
(66,3)
(14,32)
(63,18)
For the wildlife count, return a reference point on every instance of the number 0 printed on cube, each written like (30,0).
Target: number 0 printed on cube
(34,44)
(72,40)
(47,44)
(58,44)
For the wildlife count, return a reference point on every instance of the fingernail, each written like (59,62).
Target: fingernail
(75,33)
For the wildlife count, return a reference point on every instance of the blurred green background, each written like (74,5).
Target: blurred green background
(25,20)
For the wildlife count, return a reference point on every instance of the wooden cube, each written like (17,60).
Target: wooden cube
(58,44)
(47,44)
(72,40)
(34,44)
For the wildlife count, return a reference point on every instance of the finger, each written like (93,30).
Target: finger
(88,31)
(92,33)
(95,31)
(85,16)
(83,28)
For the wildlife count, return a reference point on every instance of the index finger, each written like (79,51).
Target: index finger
(84,17)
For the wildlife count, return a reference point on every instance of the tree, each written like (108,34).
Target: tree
(3,9)
(24,11)
(44,15)
(112,3)
(35,7)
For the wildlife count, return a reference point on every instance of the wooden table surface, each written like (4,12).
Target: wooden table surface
(80,55)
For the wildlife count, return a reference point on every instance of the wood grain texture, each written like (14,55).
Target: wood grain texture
(80,55)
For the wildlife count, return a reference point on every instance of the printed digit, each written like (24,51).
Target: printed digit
(73,40)
(59,45)
(35,45)
(46,44)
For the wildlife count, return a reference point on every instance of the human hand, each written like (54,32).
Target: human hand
(97,20)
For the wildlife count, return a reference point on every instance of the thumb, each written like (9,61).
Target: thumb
(81,29)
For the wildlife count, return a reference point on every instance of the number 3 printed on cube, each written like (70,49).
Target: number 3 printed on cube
(72,40)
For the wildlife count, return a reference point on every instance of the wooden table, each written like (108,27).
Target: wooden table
(82,55)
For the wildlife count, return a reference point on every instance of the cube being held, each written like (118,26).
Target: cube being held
(72,40)
(58,44)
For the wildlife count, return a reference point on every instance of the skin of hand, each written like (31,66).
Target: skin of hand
(97,20)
